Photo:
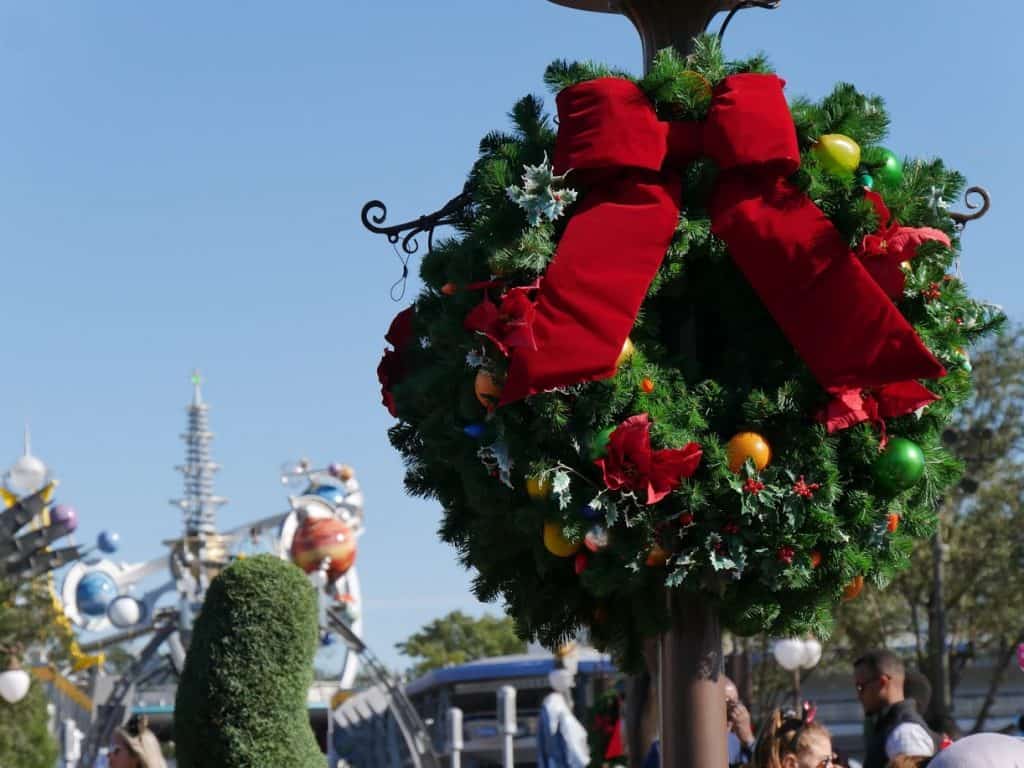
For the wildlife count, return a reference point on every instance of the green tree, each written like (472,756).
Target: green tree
(458,638)
(27,623)
(966,596)
(242,696)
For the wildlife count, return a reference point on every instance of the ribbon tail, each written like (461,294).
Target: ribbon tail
(593,289)
(834,314)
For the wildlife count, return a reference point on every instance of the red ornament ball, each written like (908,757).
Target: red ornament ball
(785,555)
(647,386)
(321,539)
(579,564)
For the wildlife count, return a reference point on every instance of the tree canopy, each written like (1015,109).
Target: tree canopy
(457,638)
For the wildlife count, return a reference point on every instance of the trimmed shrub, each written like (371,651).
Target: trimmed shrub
(242,696)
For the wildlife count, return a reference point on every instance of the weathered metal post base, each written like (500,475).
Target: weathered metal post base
(693,723)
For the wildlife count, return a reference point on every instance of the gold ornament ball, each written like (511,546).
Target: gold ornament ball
(748,445)
(838,154)
(556,543)
(538,487)
(488,391)
(628,350)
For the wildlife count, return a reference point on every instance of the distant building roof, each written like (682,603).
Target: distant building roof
(591,661)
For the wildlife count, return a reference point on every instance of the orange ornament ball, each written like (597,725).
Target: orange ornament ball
(853,589)
(657,557)
(892,523)
(321,540)
(647,386)
(487,389)
(815,558)
(557,544)
(748,445)
(449,289)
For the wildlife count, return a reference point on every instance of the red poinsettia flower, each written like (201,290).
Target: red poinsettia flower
(891,245)
(508,325)
(392,367)
(631,464)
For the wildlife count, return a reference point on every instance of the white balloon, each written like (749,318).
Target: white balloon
(789,653)
(27,475)
(124,611)
(14,685)
(812,653)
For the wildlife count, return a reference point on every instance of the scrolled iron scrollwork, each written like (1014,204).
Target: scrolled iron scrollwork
(960,219)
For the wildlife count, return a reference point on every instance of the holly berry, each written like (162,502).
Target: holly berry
(785,555)
(731,528)
(686,519)
(892,523)
(802,488)
(647,386)
(753,486)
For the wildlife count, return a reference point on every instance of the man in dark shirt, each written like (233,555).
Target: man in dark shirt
(893,725)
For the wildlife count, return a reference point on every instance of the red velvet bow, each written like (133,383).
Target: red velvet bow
(852,406)
(841,323)
(891,245)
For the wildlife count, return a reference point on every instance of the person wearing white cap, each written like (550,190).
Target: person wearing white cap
(561,738)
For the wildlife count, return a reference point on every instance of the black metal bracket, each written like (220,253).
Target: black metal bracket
(448,214)
(374,213)
(770,5)
(960,219)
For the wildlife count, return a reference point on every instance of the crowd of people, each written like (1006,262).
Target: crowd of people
(896,734)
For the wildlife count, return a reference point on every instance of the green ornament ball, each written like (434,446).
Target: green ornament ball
(866,180)
(891,169)
(900,466)
(600,443)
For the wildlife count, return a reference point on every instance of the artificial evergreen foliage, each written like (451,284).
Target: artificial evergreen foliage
(25,738)
(241,701)
(774,549)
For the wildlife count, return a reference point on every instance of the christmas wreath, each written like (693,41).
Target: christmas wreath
(699,338)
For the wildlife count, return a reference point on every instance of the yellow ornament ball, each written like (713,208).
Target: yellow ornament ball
(748,445)
(556,543)
(628,350)
(488,391)
(838,154)
(538,487)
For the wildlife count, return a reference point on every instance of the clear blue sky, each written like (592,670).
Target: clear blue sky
(180,186)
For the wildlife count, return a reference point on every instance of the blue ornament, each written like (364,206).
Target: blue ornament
(94,593)
(476,430)
(329,493)
(108,541)
(587,512)
(326,639)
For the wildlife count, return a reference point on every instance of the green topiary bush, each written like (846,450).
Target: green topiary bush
(242,697)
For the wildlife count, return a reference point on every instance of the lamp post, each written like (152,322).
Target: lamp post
(794,654)
(14,681)
(663,23)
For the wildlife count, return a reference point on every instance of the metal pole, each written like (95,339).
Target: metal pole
(455,742)
(796,689)
(693,723)
(507,724)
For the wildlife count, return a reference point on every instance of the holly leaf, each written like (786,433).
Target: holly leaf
(560,488)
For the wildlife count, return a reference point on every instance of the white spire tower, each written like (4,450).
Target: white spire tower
(199,504)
